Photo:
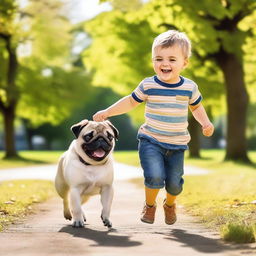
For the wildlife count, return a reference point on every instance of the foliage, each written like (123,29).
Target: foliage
(51,99)
(114,64)
(127,49)
(94,99)
(239,233)
(125,6)
(207,25)
(125,58)
(220,32)
(42,39)
(48,69)
(99,98)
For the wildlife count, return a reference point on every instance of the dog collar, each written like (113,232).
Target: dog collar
(82,161)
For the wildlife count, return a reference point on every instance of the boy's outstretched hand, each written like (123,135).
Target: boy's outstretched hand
(100,116)
(208,130)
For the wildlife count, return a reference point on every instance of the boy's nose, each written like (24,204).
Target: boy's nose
(165,63)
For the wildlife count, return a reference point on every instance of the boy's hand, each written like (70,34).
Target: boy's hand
(208,130)
(100,116)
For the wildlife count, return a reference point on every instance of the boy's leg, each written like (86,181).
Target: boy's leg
(170,199)
(149,209)
(151,194)
(170,209)
(152,162)
(174,183)
(170,214)
(174,166)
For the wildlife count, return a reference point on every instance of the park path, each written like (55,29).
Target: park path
(46,232)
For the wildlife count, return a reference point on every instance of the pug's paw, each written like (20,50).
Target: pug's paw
(106,222)
(78,224)
(67,215)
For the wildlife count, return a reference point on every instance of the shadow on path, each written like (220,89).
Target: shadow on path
(102,238)
(202,243)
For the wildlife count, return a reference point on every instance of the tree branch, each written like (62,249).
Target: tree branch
(2,106)
(5,36)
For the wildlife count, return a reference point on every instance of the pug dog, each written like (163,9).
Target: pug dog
(86,169)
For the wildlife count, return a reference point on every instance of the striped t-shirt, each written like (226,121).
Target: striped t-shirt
(166,111)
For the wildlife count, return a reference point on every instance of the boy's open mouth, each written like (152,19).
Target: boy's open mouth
(166,70)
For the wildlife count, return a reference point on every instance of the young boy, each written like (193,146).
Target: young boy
(164,136)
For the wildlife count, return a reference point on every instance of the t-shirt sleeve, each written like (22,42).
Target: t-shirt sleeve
(196,96)
(139,94)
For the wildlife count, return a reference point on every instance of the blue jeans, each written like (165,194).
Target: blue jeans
(162,167)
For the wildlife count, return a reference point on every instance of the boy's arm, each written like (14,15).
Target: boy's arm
(200,115)
(122,106)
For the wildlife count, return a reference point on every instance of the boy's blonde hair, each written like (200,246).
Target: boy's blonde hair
(172,37)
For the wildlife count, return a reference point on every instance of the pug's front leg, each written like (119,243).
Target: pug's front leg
(107,193)
(76,208)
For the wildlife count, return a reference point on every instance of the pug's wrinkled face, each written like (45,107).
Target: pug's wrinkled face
(95,140)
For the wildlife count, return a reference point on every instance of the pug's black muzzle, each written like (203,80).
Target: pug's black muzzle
(98,148)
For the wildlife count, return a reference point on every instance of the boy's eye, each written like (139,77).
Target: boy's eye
(172,60)
(158,59)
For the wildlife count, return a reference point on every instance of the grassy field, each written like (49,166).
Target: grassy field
(29,158)
(224,199)
(210,159)
(17,198)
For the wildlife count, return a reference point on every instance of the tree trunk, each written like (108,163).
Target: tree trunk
(8,106)
(194,144)
(237,103)
(9,116)
(29,133)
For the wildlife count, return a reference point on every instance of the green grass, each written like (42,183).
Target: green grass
(224,199)
(211,159)
(17,198)
(127,157)
(239,233)
(29,158)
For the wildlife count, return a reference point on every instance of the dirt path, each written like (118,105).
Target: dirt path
(47,233)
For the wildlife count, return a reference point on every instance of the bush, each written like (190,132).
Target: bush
(239,233)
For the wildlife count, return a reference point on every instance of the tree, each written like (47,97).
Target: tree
(9,95)
(127,49)
(219,31)
(34,74)
(219,34)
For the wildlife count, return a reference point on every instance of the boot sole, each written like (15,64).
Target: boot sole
(170,223)
(147,221)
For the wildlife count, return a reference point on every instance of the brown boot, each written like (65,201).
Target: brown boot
(170,214)
(148,214)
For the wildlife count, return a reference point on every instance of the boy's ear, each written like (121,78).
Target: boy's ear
(185,63)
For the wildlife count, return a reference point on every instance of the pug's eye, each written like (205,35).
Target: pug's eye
(110,136)
(88,137)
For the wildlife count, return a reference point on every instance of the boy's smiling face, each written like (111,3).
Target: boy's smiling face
(168,63)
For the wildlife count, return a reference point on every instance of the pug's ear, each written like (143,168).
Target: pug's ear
(77,128)
(116,132)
